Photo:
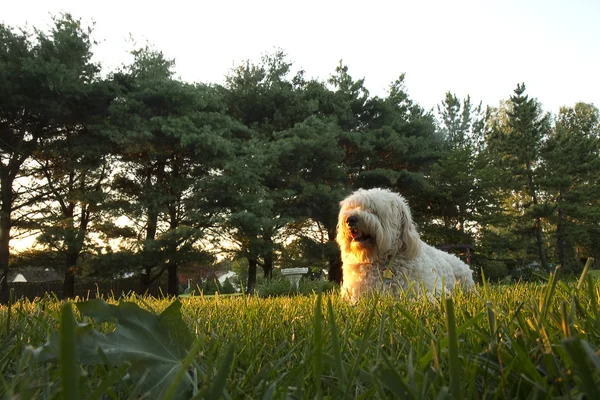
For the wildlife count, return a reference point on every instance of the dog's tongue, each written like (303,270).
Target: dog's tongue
(355,234)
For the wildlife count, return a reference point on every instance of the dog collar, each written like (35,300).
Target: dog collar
(387,274)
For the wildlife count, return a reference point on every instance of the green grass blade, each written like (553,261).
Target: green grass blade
(455,372)
(586,268)
(270,391)
(546,299)
(491,321)
(428,357)
(220,380)
(579,359)
(183,368)
(363,343)
(11,300)
(394,383)
(69,370)
(318,345)
(593,297)
(115,375)
(443,394)
(335,343)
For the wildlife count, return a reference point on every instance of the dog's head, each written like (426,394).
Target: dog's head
(376,222)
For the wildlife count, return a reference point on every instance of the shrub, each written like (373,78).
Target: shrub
(283,287)
(227,287)
(495,270)
(210,286)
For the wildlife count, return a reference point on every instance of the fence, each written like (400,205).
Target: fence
(86,290)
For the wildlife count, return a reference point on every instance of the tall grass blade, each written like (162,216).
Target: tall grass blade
(455,372)
(318,344)
(363,343)
(593,297)
(218,388)
(11,300)
(428,357)
(586,268)
(492,321)
(546,300)
(581,367)
(183,369)
(335,343)
(68,357)
(270,391)
(394,382)
(115,375)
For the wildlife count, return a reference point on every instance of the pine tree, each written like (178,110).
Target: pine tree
(517,141)
(170,136)
(44,80)
(458,194)
(572,178)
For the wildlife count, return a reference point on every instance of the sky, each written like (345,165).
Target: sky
(477,48)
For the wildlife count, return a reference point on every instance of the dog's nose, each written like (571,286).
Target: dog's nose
(351,220)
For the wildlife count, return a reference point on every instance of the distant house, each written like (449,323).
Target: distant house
(33,274)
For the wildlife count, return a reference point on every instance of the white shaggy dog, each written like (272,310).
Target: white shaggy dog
(381,249)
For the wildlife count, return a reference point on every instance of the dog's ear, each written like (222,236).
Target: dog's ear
(408,233)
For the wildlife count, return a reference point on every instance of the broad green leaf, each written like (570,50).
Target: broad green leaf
(155,346)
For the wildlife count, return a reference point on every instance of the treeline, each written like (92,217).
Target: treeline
(138,171)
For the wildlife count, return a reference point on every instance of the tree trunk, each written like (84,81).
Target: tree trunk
(538,221)
(149,261)
(268,264)
(5,225)
(69,281)
(4,253)
(461,221)
(335,268)
(540,242)
(252,264)
(145,278)
(334,258)
(151,229)
(173,280)
(560,240)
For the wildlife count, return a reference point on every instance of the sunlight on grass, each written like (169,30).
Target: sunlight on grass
(503,341)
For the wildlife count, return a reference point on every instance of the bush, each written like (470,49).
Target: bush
(283,287)
(227,287)
(210,286)
(276,287)
(309,286)
(495,270)
(529,273)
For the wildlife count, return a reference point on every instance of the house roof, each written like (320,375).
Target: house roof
(34,274)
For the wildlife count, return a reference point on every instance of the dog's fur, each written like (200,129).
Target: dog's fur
(375,232)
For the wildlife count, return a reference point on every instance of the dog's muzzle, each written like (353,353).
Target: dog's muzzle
(357,235)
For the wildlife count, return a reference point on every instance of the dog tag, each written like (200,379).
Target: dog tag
(387,274)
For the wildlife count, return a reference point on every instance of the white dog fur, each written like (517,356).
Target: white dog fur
(375,232)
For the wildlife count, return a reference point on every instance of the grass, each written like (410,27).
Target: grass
(524,340)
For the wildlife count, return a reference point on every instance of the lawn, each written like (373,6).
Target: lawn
(526,340)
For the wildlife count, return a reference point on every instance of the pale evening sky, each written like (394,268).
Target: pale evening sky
(482,48)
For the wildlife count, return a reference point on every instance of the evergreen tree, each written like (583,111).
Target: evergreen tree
(73,169)
(171,135)
(458,195)
(266,101)
(517,141)
(572,178)
(313,172)
(43,79)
